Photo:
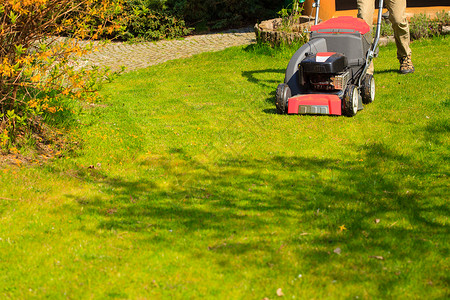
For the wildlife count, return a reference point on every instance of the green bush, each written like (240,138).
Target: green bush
(151,20)
(161,19)
(443,17)
(138,20)
(422,26)
(386,28)
(219,14)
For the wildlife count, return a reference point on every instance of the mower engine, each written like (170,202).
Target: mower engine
(324,71)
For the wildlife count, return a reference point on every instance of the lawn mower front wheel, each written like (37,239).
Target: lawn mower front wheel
(350,101)
(368,89)
(282,96)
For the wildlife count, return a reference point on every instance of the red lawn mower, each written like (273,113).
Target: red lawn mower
(328,75)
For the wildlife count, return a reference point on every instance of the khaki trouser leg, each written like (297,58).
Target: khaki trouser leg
(397,16)
(366,9)
(400,25)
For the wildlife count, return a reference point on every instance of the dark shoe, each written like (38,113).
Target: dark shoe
(406,65)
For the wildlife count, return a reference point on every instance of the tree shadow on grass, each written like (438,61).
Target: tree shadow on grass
(252,76)
(243,205)
(238,184)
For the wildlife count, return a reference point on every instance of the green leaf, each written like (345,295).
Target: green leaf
(13,17)
(11,114)
(19,49)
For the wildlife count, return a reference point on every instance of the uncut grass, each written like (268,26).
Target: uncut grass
(189,185)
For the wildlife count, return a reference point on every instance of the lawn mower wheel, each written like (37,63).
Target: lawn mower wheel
(368,89)
(283,94)
(350,101)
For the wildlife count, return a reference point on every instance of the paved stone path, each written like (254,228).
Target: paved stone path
(141,55)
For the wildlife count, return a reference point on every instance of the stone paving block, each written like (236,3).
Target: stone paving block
(141,55)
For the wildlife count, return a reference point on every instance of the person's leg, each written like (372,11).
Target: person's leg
(397,16)
(366,8)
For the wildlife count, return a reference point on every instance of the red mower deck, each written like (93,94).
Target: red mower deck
(320,104)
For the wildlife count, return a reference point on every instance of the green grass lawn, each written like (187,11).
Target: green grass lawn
(187,185)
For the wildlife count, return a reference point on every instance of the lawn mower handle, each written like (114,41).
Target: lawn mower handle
(371,52)
(378,32)
(316,5)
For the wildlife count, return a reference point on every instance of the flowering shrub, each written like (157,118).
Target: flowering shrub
(39,77)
